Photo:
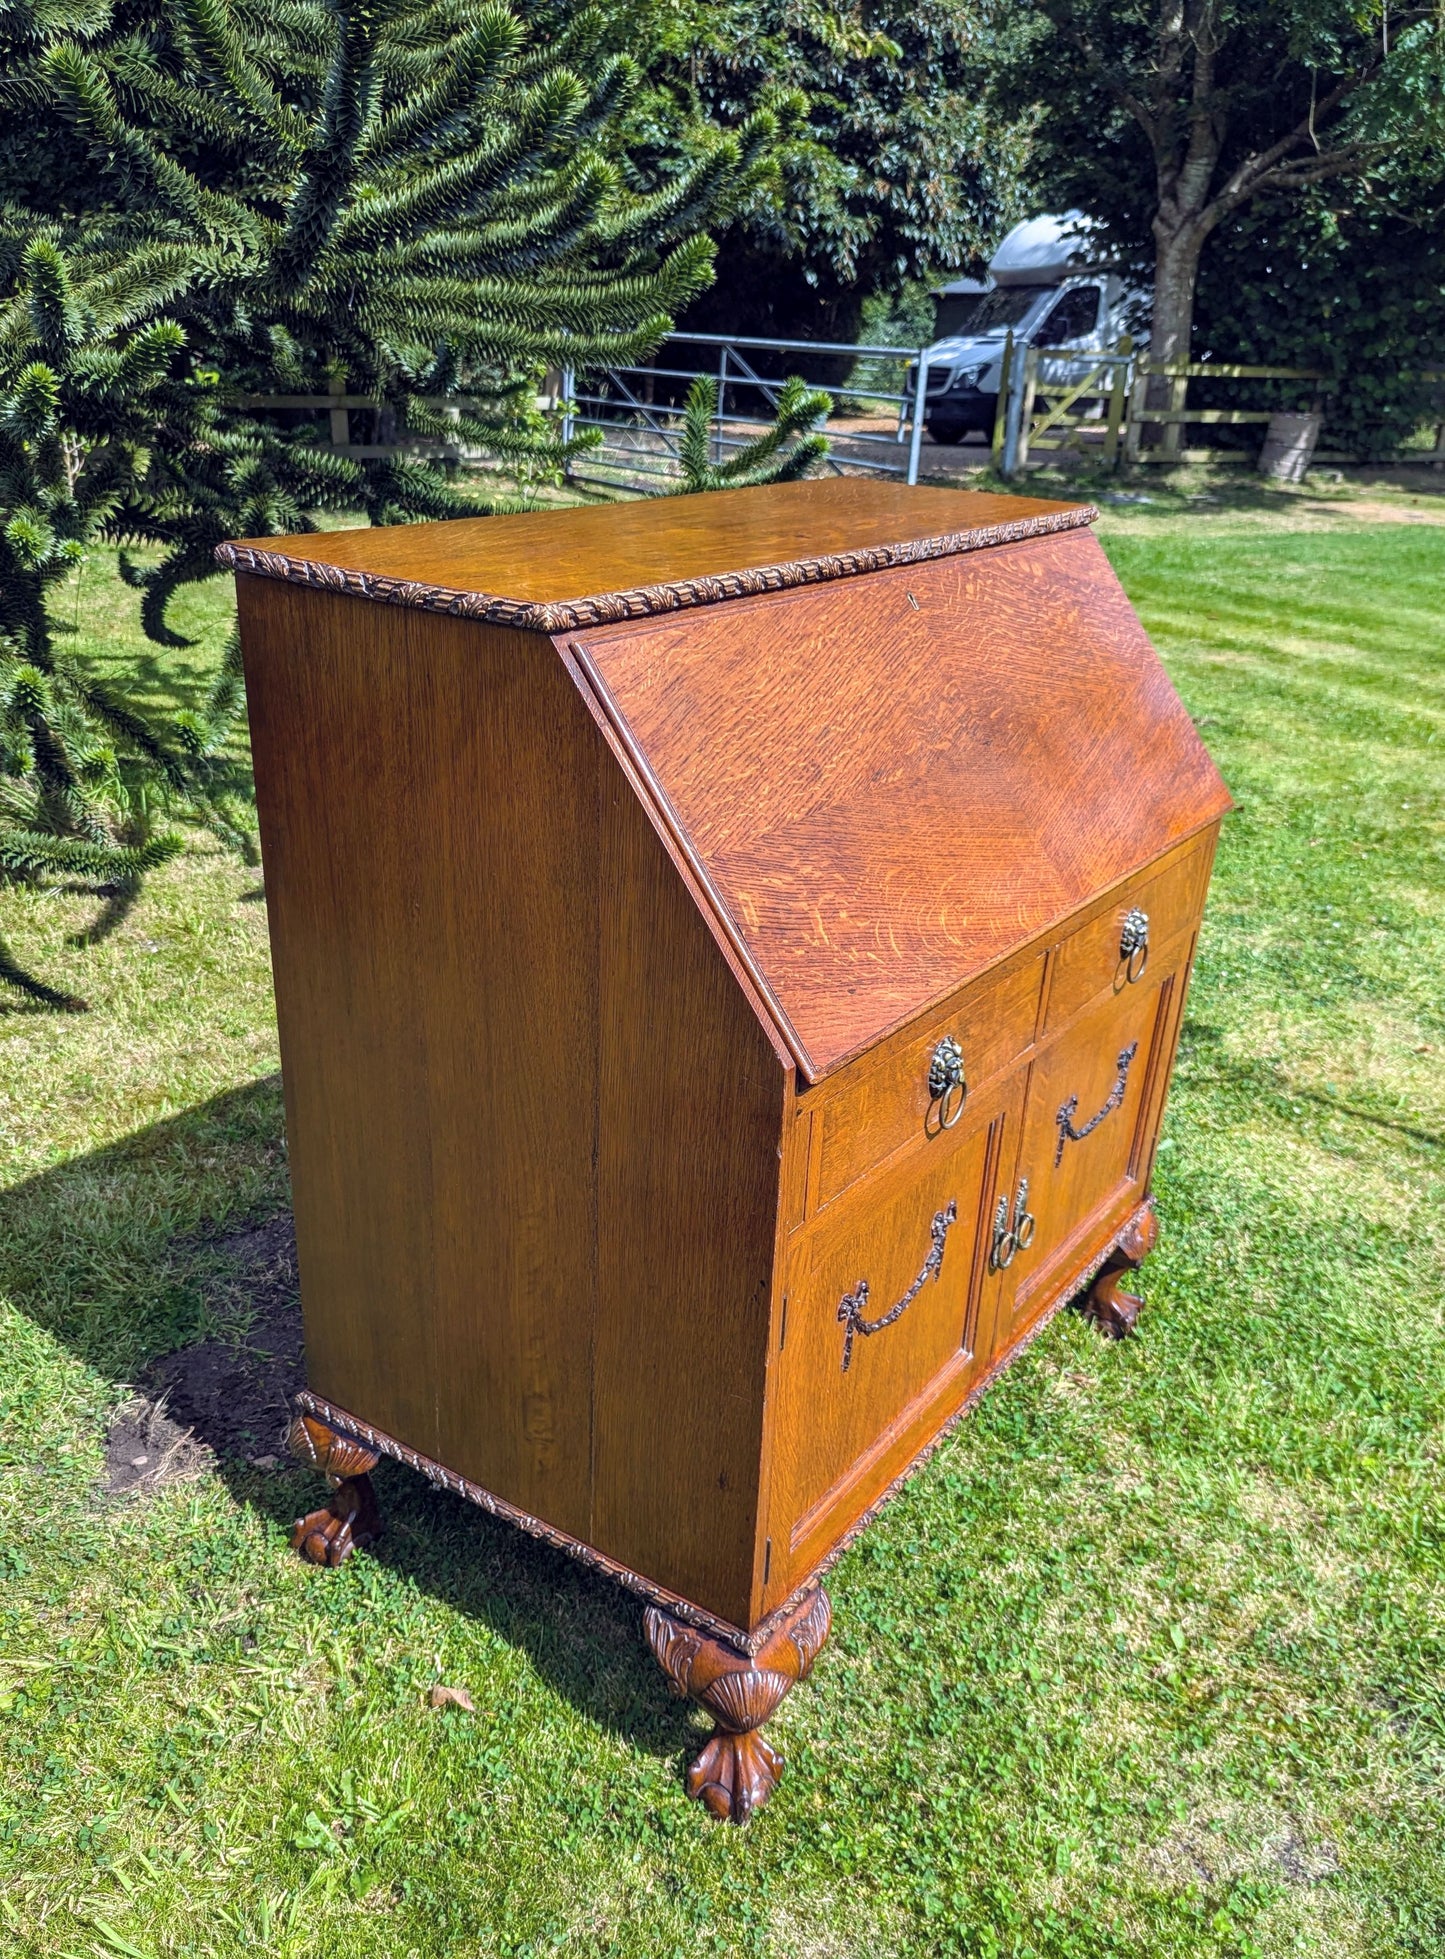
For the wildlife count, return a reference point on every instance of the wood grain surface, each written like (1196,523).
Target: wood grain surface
(433,914)
(552,922)
(689,1132)
(890,784)
(553,556)
(1088,959)
(534,1123)
(882,1102)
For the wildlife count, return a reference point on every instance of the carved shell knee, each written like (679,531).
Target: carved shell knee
(324,1449)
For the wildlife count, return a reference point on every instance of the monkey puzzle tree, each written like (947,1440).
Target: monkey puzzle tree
(784,452)
(205,201)
(403,193)
(97,408)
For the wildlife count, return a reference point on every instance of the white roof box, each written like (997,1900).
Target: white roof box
(1044,251)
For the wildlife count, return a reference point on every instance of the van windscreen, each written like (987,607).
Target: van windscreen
(1005,306)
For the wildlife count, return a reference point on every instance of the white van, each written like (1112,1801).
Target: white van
(1046,283)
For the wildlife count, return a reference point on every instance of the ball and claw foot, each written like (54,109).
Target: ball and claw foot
(734,1775)
(737,1769)
(1106,1303)
(350,1520)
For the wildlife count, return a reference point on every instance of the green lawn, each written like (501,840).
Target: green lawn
(1150,1660)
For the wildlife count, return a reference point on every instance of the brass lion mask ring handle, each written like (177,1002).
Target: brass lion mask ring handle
(946,1084)
(1134,945)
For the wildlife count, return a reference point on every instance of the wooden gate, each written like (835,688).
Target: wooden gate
(1068,415)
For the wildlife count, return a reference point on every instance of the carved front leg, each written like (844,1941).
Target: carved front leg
(1112,1309)
(351,1519)
(738,1770)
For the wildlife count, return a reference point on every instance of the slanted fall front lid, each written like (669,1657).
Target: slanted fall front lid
(886,786)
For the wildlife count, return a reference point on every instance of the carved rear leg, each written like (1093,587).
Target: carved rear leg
(351,1519)
(1113,1310)
(738,1770)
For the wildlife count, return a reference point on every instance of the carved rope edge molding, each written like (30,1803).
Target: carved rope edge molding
(643,601)
(442,1478)
(676,1607)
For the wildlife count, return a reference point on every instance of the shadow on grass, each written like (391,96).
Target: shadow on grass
(119,902)
(167,1263)
(1268,1087)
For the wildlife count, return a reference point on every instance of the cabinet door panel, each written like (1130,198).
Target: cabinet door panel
(883,1305)
(1093,1098)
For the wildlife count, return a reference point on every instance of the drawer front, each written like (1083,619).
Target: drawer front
(893,1100)
(1095,1096)
(883,1302)
(1115,951)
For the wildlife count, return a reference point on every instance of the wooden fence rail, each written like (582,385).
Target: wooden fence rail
(338,403)
(1113,384)
(1173,416)
(1178,414)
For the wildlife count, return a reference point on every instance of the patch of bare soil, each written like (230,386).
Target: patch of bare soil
(146,1448)
(233,1391)
(1231,1848)
(1365,510)
(1304,1861)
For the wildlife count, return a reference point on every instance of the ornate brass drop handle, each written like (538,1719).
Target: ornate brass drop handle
(1007,1240)
(946,1083)
(853,1305)
(1134,945)
(1065,1117)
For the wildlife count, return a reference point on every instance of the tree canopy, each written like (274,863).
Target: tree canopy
(1347,280)
(1171,118)
(891,160)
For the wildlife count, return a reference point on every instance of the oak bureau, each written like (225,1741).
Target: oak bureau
(729,954)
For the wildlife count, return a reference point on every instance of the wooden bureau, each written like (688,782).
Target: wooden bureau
(729,955)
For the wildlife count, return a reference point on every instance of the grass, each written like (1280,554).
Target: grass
(1149,1660)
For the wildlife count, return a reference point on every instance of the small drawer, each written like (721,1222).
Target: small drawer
(1113,951)
(890,1100)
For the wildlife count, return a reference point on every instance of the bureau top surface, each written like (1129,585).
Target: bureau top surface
(554,571)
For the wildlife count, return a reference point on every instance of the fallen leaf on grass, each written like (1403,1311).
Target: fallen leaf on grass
(452,1697)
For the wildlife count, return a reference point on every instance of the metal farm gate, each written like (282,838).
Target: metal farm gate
(876,424)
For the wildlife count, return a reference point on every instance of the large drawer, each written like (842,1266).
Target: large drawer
(1115,950)
(883,1103)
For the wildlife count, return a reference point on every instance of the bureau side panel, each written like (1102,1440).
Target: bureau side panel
(428,796)
(692,1102)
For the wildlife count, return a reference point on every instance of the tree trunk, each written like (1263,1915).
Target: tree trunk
(1176,271)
